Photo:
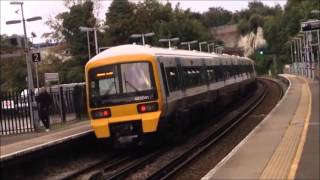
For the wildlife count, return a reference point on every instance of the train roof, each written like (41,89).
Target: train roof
(132,49)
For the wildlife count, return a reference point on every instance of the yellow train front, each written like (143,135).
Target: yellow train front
(123,97)
(133,91)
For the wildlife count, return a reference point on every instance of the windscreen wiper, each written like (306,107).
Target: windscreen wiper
(131,85)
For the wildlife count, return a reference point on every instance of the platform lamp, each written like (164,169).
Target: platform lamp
(189,43)
(169,40)
(210,44)
(32,108)
(200,44)
(94,29)
(143,35)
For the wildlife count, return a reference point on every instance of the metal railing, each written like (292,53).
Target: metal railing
(68,104)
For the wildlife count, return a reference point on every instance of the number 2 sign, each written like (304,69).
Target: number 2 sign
(36,57)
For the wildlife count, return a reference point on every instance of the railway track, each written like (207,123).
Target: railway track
(116,167)
(213,135)
(105,163)
(122,167)
(180,161)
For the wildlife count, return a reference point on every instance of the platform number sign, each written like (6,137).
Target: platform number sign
(36,57)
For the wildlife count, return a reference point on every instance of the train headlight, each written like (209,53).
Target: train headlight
(149,107)
(101,113)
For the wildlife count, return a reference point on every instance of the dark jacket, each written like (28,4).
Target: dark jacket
(44,99)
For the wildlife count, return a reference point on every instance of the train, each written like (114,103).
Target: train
(136,91)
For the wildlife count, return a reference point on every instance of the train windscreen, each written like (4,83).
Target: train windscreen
(121,83)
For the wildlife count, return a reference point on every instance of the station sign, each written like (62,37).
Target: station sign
(51,77)
(36,57)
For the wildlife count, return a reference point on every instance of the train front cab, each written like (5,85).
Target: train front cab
(124,98)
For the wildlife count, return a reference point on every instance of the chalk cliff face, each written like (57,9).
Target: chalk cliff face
(232,39)
(228,34)
(251,42)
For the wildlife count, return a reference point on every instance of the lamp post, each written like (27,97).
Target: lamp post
(291,53)
(169,41)
(200,44)
(219,49)
(143,35)
(33,110)
(211,44)
(303,55)
(94,29)
(88,39)
(296,57)
(33,35)
(189,43)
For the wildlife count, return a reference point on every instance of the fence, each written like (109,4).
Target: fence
(68,104)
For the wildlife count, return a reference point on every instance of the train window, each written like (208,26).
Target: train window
(235,69)
(173,78)
(185,77)
(197,76)
(219,72)
(243,69)
(251,68)
(203,75)
(228,71)
(164,79)
(211,74)
(104,81)
(136,77)
(232,71)
(121,84)
(189,75)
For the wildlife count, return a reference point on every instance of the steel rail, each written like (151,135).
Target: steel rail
(135,165)
(186,157)
(106,165)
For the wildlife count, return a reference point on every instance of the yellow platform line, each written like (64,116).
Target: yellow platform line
(280,163)
(296,160)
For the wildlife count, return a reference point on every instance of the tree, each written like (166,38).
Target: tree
(79,15)
(125,18)
(13,71)
(255,21)
(243,26)
(120,21)
(216,16)
(56,25)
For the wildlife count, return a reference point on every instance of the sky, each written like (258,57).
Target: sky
(51,8)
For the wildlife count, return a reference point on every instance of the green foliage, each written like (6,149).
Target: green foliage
(216,16)
(120,21)
(13,74)
(278,27)
(243,26)
(73,70)
(250,19)
(79,15)
(255,21)
(13,70)
(125,18)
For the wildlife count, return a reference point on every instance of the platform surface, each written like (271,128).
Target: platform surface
(285,145)
(19,145)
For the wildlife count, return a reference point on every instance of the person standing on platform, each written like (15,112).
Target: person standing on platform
(44,100)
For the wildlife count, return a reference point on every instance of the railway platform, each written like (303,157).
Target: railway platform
(285,145)
(14,146)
